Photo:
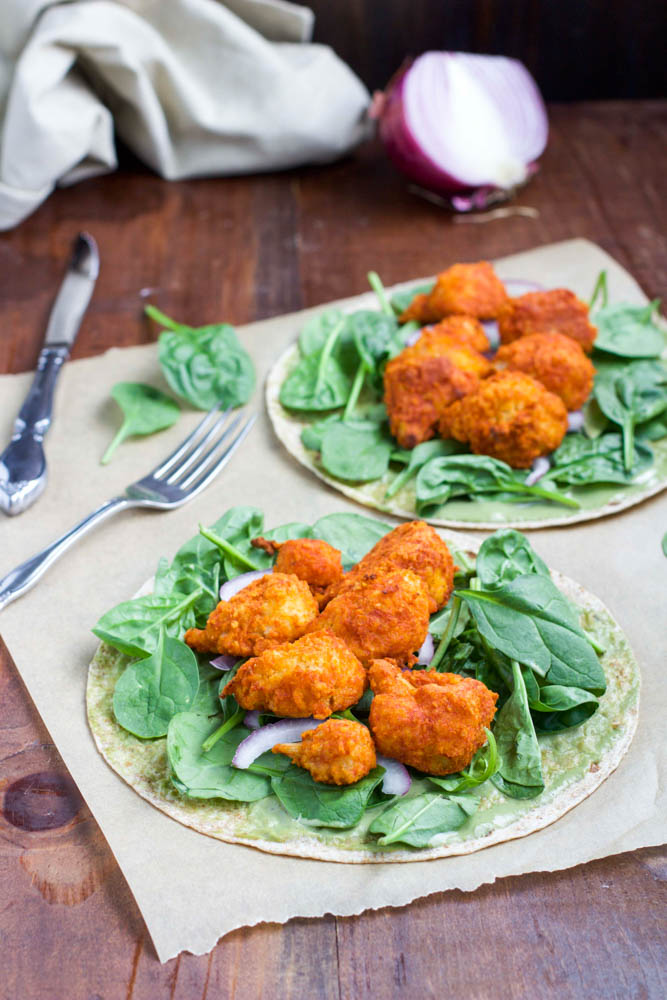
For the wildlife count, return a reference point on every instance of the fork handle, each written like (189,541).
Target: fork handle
(28,573)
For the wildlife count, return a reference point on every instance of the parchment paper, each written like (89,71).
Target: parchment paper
(191,889)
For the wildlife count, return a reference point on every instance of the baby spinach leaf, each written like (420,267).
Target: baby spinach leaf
(150,691)
(556,707)
(655,429)
(401,300)
(418,457)
(133,627)
(529,620)
(595,422)
(519,773)
(207,701)
(145,411)
(315,331)
(318,381)
(210,775)
(629,331)
(315,804)
(355,454)
(187,578)
(505,555)
(441,619)
(581,461)
(416,821)
(482,767)
(631,396)
(353,534)
(232,535)
(205,365)
(371,420)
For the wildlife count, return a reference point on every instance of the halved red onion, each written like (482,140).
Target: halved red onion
(396,780)
(224,662)
(575,421)
(459,123)
(425,654)
(539,468)
(285,731)
(237,583)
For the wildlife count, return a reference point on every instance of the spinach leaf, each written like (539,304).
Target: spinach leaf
(519,773)
(629,331)
(595,421)
(664,544)
(418,457)
(318,381)
(231,536)
(441,619)
(482,767)
(529,620)
(581,461)
(133,627)
(630,397)
(210,775)
(145,411)
(416,821)
(401,300)
(205,365)
(207,701)
(655,429)
(355,454)
(186,578)
(311,436)
(315,331)
(556,707)
(505,555)
(353,534)
(315,804)
(150,691)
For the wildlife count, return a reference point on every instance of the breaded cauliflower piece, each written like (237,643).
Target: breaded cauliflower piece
(434,722)
(555,311)
(414,546)
(311,559)
(425,378)
(316,675)
(511,417)
(384,615)
(557,361)
(469,289)
(273,609)
(465,329)
(339,752)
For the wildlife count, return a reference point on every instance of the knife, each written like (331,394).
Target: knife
(23,463)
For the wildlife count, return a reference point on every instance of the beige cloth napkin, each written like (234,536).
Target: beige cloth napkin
(193,87)
(191,889)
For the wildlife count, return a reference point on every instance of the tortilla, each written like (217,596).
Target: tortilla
(575,762)
(596,501)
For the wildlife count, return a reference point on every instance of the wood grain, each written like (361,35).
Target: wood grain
(243,249)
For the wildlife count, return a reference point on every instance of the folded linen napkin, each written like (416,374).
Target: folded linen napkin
(193,87)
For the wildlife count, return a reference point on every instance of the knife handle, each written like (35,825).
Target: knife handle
(35,415)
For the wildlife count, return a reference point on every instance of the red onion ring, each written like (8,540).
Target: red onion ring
(539,468)
(224,662)
(263,739)
(396,780)
(231,587)
(427,651)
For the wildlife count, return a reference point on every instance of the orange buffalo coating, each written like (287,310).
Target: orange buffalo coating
(274,609)
(316,675)
(465,329)
(380,616)
(414,546)
(558,362)
(434,722)
(311,559)
(556,311)
(469,289)
(339,752)
(511,417)
(425,378)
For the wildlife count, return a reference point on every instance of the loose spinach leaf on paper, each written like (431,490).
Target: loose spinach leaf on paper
(631,395)
(151,691)
(519,773)
(210,775)
(580,461)
(505,555)
(417,820)
(418,457)
(205,365)
(315,804)
(557,707)
(529,620)
(629,331)
(355,454)
(133,627)
(145,411)
(482,767)
(353,534)
(401,300)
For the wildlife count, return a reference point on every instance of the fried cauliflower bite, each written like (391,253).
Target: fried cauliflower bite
(316,675)
(468,289)
(425,378)
(380,616)
(511,417)
(276,608)
(465,329)
(558,362)
(311,559)
(414,546)
(434,722)
(339,752)
(556,311)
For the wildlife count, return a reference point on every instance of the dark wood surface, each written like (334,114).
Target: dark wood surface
(244,249)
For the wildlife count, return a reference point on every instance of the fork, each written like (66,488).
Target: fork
(184,474)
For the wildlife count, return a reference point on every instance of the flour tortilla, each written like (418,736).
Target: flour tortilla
(143,763)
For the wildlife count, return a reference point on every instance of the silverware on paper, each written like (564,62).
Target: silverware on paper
(23,464)
(187,471)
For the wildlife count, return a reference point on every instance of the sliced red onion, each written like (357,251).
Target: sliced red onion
(426,652)
(539,468)
(396,780)
(575,421)
(237,583)
(455,122)
(224,662)
(412,338)
(263,739)
(519,286)
(251,719)
(493,336)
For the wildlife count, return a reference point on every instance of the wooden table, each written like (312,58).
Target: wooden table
(244,249)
